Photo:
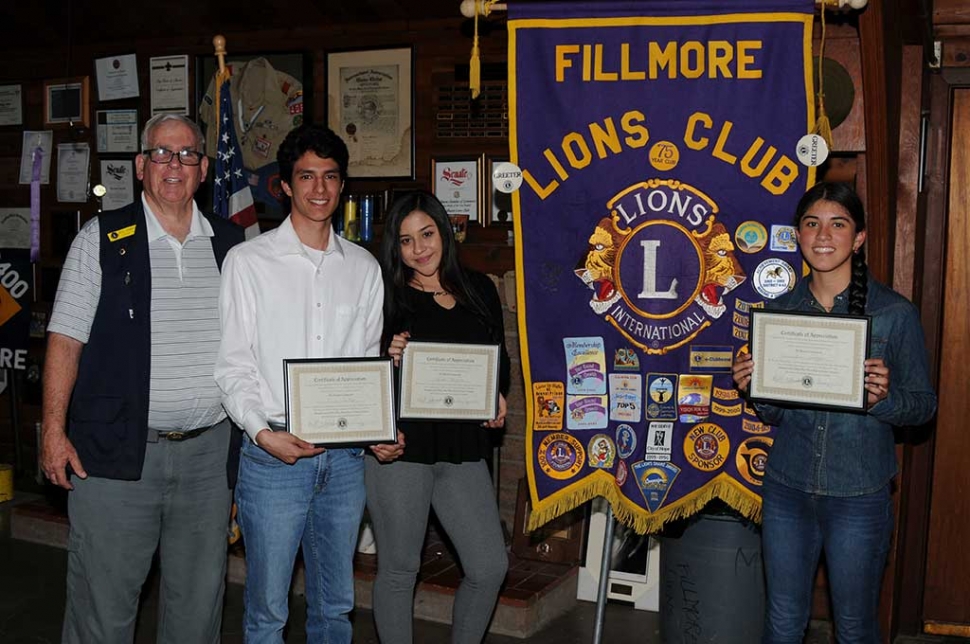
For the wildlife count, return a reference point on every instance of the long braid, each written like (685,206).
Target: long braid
(859,286)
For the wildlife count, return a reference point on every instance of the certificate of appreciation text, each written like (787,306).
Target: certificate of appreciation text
(814,360)
(340,401)
(443,381)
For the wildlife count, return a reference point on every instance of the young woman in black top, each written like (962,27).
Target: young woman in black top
(428,296)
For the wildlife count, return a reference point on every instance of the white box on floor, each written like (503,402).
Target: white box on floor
(635,571)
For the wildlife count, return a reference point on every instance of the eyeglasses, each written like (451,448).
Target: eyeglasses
(164,155)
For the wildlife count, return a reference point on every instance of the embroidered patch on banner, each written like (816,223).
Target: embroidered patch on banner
(656,304)
(561,456)
(726,394)
(661,404)
(626,440)
(586,412)
(754,426)
(750,237)
(601,452)
(585,365)
(725,410)
(549,399)
(706,447)
(751,458)
(774,277)
(745,307)
(621,473)
(710,359)
(626,397)
(694,397)
(626,359)
(660,441)
(655,480)
(783,239)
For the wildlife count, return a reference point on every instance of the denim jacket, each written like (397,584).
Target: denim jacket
(844,453)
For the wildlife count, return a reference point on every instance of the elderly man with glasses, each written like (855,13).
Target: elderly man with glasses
(133,422)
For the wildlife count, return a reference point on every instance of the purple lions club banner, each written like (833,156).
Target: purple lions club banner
(657,142)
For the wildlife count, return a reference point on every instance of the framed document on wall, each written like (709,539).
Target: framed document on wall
(457,183)
(66,102)
(370,104)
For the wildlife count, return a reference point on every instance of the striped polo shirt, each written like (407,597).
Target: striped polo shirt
(184,317)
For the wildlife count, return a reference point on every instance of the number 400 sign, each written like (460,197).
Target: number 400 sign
(15,276)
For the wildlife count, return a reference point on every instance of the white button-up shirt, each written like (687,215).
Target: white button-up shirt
(281,300)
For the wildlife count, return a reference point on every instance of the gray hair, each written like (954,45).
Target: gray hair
(158,119)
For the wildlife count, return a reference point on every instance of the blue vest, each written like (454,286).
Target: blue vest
(108,416)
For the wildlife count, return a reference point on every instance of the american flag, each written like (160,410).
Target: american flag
(232,198)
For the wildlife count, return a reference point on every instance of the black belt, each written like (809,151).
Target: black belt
(154,435)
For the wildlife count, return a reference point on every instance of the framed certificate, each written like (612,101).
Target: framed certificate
(340,401)
(807,359)
(66,102)
(457,183)
(370,104)
(443,381)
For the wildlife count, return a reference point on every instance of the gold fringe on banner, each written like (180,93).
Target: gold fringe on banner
(723,487)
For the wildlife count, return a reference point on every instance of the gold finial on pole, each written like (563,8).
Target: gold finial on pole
(219,42)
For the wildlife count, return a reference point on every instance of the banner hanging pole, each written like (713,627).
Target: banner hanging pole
(604,576)
(471,8)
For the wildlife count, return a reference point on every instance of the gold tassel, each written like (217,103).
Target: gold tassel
(822,125)
(475,66)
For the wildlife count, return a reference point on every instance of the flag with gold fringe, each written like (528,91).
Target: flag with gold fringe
(657,142)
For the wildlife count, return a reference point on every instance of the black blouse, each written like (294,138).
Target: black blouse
(453,441)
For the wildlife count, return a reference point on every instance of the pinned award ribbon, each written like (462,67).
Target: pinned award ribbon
(37,159)
(506,177)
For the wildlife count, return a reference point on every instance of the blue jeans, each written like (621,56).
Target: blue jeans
(317,503)
(853,531)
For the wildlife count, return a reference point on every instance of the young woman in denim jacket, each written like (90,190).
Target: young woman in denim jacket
(827,481)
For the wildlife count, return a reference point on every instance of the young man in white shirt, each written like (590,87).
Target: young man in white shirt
(295,292)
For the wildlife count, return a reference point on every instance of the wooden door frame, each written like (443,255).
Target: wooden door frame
(906,577)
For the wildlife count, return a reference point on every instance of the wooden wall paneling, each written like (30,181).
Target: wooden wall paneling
(908,234)
(956,52)
(951,12)
(917,454)
(881,54)
(842,46)
(946,605)
(902,591)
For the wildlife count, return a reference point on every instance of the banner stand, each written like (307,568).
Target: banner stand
(604,576)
